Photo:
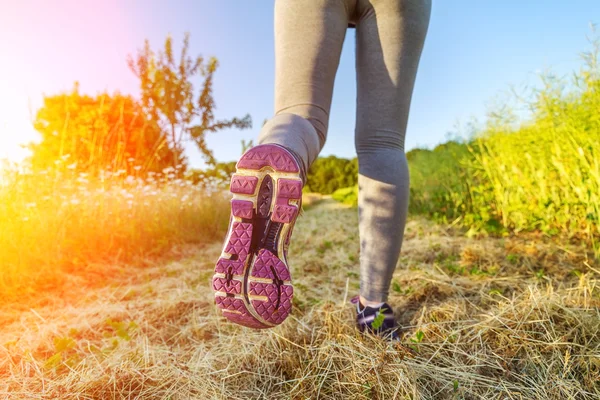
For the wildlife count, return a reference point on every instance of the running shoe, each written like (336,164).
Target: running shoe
(379,321)
(252,280)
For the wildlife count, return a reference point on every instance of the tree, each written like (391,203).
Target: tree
(92,134)
(168,96)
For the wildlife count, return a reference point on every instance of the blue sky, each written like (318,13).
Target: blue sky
(474,51)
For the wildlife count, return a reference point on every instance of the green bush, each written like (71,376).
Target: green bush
(439,180)
(328,174)
(219,174)
(347,195)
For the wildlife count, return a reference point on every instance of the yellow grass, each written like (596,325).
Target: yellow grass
(483,319)
(60,223)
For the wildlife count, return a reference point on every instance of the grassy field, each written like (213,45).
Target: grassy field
(105,281)
(510,318)
(59,223)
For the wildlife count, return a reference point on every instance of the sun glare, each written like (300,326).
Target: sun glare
(16,127)
(15,131)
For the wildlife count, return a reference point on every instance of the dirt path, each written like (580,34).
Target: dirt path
(485,318)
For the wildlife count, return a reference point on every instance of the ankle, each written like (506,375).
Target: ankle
(369,303)
(301,164)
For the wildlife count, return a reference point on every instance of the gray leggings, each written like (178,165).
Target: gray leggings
(389,39)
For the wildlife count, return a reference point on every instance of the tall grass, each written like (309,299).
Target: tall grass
(63,222)
(540,175)
(546,174)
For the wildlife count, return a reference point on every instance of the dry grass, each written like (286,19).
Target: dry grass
(309,200)
(484,319)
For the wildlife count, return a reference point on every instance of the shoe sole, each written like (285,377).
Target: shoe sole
(252,281)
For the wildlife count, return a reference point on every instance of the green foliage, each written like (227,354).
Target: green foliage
(327,174)
(540,175)
(347,195)
(379,318)
(92,134)
(398,289)
(419,336)
(218,173)
(439,180)
(168,96)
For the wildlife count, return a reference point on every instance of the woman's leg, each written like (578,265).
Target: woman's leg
(252,281)
(309,35)
(389,40)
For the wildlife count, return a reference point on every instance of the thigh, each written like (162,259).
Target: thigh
(389,40)
(309,35)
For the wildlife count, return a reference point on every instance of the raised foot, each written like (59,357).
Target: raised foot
(252,281)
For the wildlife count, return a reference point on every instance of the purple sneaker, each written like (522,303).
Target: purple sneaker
(252,280)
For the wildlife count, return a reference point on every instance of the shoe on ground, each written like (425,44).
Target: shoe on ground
(378,321)
(252,281)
